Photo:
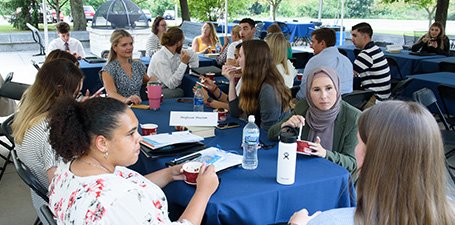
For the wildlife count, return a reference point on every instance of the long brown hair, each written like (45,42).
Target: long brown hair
(441,35)
(115,38)
(403,178)
(259,69)
(212,36)
(59,77)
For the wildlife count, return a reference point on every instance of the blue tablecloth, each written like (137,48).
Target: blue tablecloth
(189,81)
(253,197)
(408,63)
(296,29)
(229,25)
(432,65)
(431,81)
(92,81)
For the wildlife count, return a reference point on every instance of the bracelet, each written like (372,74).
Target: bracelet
(221,93)
(216,87)
(208,104)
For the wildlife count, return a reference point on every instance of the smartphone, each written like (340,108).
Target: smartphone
(223,126)
(97,93)
(188,100)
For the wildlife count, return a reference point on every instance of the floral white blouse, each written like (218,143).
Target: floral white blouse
(124,197)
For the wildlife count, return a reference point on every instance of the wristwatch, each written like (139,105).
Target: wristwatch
(209,100)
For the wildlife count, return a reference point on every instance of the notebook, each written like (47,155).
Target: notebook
(207,69)
(94,59)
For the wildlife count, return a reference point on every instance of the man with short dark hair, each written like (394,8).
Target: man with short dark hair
(65,42)
(326,54)
(370,65)
(247,29)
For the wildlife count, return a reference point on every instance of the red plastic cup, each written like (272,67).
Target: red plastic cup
(191,171)
(222,114)
(149,129)
(213,50)
(236,79)
(299,76)
(161,100)
(303,147)
(211,76)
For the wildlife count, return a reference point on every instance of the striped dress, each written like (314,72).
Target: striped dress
(374,71)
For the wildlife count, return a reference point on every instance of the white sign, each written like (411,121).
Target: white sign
(193,119)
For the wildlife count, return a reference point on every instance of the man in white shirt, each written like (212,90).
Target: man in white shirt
(247,29)
(169,64)
(65,42)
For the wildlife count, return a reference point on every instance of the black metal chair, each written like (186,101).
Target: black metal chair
(447,94)
(13,90)
(285,29)
(300,59)
(6,132)
(427,98)
(342,51)
(358,99)
(400,87)
(446,67)
(48,215)
(35,64)
(394,64)
(26,175)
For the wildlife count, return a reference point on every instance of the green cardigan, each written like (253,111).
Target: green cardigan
(344,134)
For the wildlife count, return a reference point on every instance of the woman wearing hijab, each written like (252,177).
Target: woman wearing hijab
(329,124)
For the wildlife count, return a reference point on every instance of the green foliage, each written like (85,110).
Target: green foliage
(28,13)
(211,10)
(286,8)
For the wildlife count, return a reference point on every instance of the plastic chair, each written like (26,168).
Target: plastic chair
(48,215)
(400,87)
(446,67)
(447,93)
(358,99)
(6,131)
(26,175)
(427,98)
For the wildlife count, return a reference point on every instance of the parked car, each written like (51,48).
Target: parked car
(54,16)
(89,12)
(147,14)
(169,17)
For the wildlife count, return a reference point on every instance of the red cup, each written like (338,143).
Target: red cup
(211,76)
(303,147)
(149,129)
(161,100)
(222,114)
(191,171)
(236,79)
(213,50)
(299,76)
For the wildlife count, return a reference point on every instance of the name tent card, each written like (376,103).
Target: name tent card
(193,119)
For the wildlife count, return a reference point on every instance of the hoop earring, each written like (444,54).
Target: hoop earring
(105,154)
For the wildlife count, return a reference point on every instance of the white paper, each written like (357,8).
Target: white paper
(193,119)
(227,159)
(165,139)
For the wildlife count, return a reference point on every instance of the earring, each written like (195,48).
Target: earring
(105,154)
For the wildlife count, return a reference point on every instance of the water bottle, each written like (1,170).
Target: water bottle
(198,105)
(218,48)
(287,153)
(250,145)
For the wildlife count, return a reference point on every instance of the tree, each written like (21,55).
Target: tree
(185,10)
(57,5)
(274,4)
(428,5)
(442,7)
(28,12)
(212,10)
(77,11)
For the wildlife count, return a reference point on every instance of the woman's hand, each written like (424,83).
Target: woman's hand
(133,99)
(207,82)
(302,217)
(317,149)
(206,50)
(425,40)
(177,172)
(433,44)
(294,121)
(207,180)
(228,71)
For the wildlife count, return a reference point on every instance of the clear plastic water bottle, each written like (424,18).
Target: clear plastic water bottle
(250,144)
(198,105)
(218,47)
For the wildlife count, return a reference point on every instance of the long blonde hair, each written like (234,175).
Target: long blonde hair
(403,178)
(56,78)
(259,69)
(115,38)
(212,35)
(279,49)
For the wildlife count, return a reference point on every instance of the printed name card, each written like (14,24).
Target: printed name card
(193,118)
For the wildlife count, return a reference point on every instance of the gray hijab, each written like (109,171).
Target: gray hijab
(321,122)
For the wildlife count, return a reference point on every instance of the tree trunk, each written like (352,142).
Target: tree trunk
(57,12)
(274,11)
(185,10)
(442,7)
(77,11)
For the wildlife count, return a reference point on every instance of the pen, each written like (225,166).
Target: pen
(186,159)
